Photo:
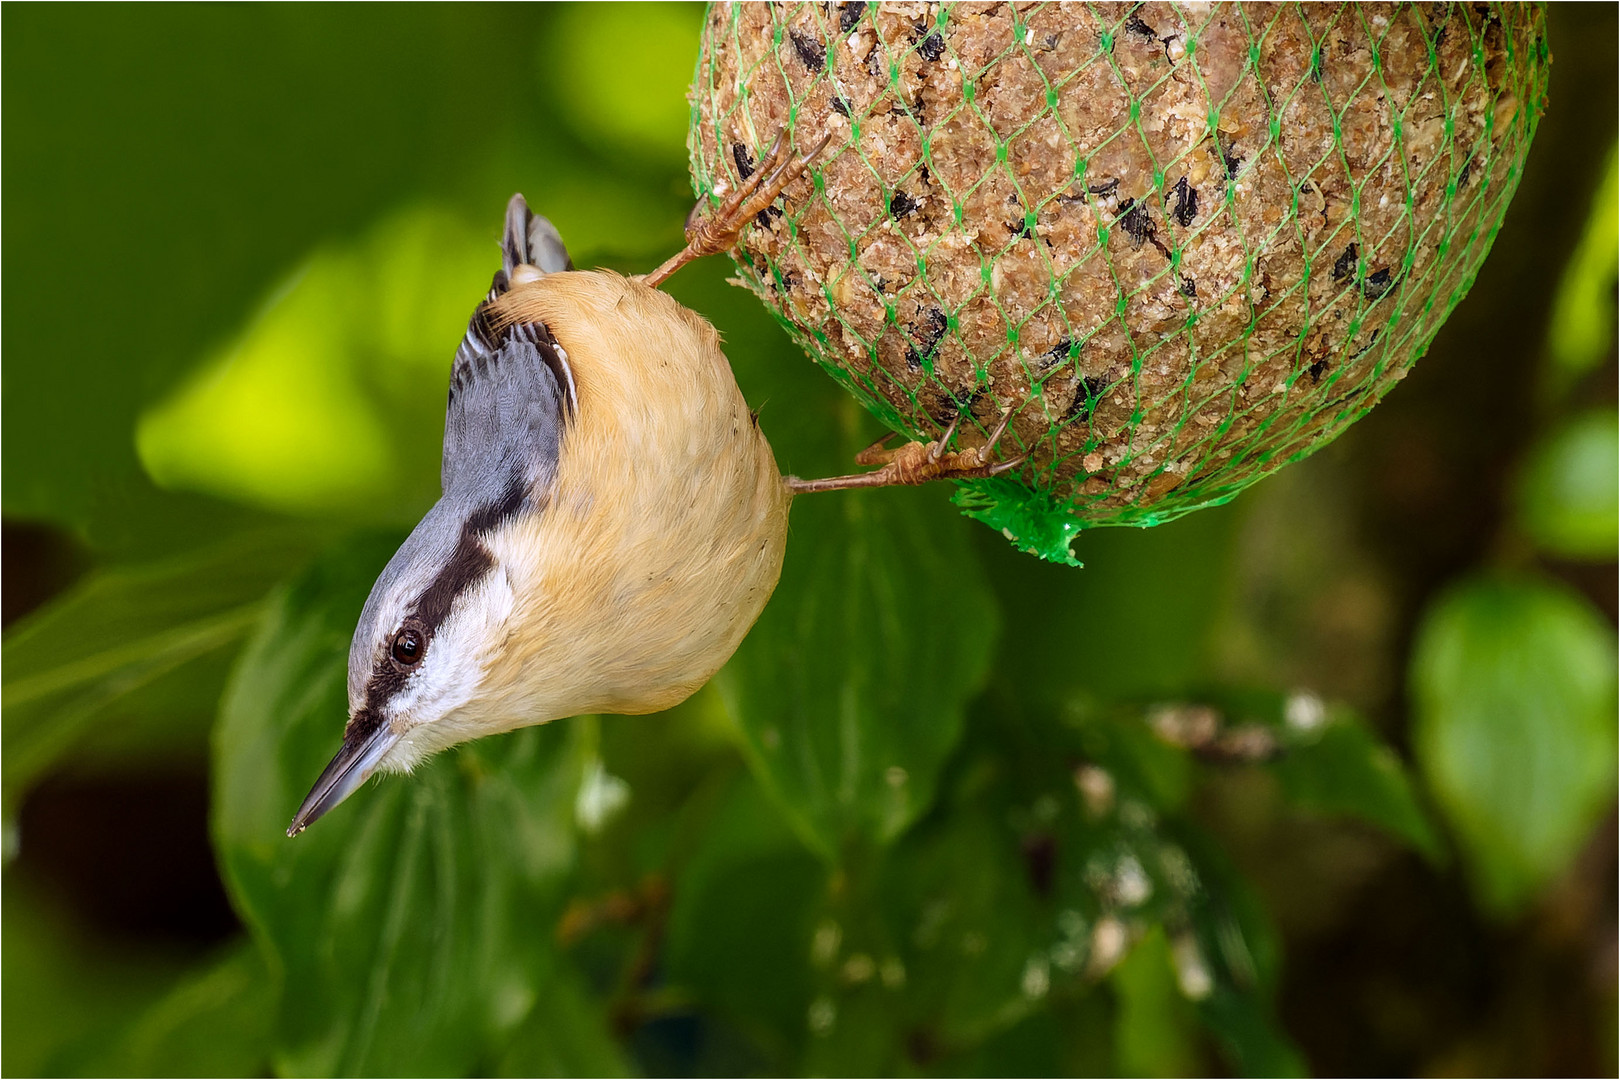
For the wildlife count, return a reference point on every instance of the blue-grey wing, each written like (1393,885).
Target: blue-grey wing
(511,391)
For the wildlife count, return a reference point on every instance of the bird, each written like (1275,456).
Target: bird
(612,519)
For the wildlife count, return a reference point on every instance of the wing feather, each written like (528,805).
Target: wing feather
(511,390)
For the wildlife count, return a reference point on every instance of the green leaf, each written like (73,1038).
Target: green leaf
(331,400)
(1231,933)
(174,126)
(216,1023)
(1134,623)
(1071,1037)
(850,690)
(740,928)
(1116,739)
(1513,684)
(1020,892)
(410,928)
(567,1034)
(1569,495)
(1342,768)
(967,928)
(66,990)
(1251,1036)
(1152,1031)
(1582,325)
(96,652)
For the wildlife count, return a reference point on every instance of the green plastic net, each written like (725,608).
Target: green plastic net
(1183,244)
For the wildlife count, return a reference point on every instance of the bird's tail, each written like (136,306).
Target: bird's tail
(530,238)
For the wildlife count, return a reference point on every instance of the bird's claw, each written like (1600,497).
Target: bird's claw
(919,462)
(713,233)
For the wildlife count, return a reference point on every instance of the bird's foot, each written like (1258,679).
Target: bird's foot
(712,233)
(919,462)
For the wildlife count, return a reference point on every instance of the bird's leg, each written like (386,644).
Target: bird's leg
(918,463)
(710,234)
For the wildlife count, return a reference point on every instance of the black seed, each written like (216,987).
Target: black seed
(1467,171)
(926,332)
(1379,284)
(1189,288)
(1316,371)
(1135,220)
(1051,358)
(1186,203)
(1344,268)
(1135,25)
(933,328)
(943,410)
(840,105)
(811,51)
(1086,394)
(932,47)
(745,169)
(850,14)
(901,204)
(1229,158)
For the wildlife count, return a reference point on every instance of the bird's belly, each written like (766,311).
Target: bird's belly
(667,524)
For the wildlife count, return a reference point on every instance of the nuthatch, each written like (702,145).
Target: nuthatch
(612,519)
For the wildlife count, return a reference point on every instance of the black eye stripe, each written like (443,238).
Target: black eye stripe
(467,565)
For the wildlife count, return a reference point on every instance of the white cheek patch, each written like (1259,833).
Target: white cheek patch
(499,603)
(452,673)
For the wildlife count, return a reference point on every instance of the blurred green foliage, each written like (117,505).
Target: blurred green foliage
(318,407)
(1514,689)
(1582,327)
(1569,496)
(856,760)
(946,811)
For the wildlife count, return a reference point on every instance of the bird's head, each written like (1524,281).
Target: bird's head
(420,662)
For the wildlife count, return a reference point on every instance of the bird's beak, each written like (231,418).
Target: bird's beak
(356,760)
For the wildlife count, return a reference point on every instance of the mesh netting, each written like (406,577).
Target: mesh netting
(1183,244)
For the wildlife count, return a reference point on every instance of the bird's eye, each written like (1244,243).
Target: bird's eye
(408,647)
